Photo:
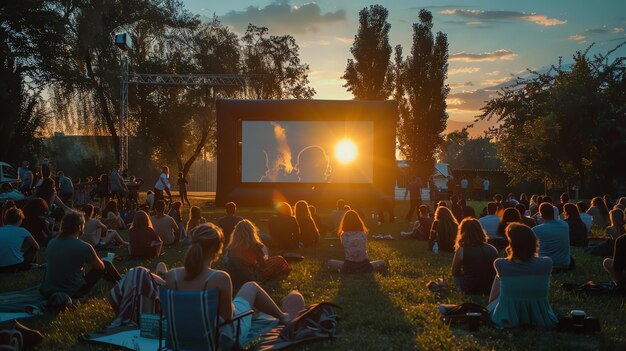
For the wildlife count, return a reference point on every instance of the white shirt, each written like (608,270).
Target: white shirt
(464,183)
(159,184)
(587,219)
(486,185)
(490,224)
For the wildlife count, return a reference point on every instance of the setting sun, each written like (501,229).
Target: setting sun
(345,151)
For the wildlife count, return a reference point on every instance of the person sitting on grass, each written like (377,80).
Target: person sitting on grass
(96,233)
(175,213)
(612,232)
(520,291)
(197,275)
(317,219)
(472,265)
(195,218)
(491,221)
(599,212)
(616,266)
(144,242)
(553,238)
(111,216)
(283,228)
(582,212)
(444,229)
(35,221)
(578,235)
(164,225)
(18,248)
(510,215)
(421,227)
(353,235)
(468,211)
(228,222)
(524,219)
(48,193)
(309,234)
(65,257)
(248,259)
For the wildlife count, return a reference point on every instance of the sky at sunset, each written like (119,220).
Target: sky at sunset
(489,41)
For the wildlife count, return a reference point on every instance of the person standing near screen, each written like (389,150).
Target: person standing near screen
(414,191)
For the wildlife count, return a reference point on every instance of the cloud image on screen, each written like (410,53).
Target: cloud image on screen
(306,152)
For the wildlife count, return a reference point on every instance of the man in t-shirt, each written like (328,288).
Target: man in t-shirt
(27,178)
(18,249)
(486,185)
(491,221)
(414,191)
(553,237)
(66,188)
(66,256)
(164,225)
(228,222)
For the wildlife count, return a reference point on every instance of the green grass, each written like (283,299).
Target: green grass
(390,311)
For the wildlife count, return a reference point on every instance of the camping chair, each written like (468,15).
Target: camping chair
(192,320)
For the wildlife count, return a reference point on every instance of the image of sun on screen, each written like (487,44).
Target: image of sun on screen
(306,152)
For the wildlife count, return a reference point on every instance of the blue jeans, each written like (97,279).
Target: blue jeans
(458,282)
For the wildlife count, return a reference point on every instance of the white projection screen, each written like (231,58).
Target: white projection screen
(307,151)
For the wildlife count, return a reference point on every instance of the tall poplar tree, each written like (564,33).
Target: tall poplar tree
(421,95)
(369,76)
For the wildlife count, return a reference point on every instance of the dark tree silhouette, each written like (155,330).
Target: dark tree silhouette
(369,76)
(421,95)
(565,126)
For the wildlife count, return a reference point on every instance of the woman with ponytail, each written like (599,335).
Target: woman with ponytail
(204,249)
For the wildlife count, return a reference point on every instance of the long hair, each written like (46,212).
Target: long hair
(522,242)
(617,219)
(71,223)
(244,236)
(303,214)
(206,245)
(447,222)
(571,212)
(141,221)
(601,205)
(510,215)
(471,233)
(194,217)
(351,222)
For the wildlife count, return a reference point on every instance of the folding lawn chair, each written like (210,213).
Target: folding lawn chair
(191,320)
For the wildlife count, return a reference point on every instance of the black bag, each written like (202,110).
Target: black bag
(467,312)
(588,325)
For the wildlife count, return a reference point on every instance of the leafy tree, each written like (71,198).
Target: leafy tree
(277,58)
(564,126)
(421,95)
(460,151)
(23,117)
(369,76)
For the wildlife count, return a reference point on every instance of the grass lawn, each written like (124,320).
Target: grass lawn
(390,311)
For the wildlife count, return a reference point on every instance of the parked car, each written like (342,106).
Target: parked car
(9,182)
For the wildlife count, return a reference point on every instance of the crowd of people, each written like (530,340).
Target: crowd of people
(536,234)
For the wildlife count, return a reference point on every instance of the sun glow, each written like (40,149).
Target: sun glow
(345,151)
